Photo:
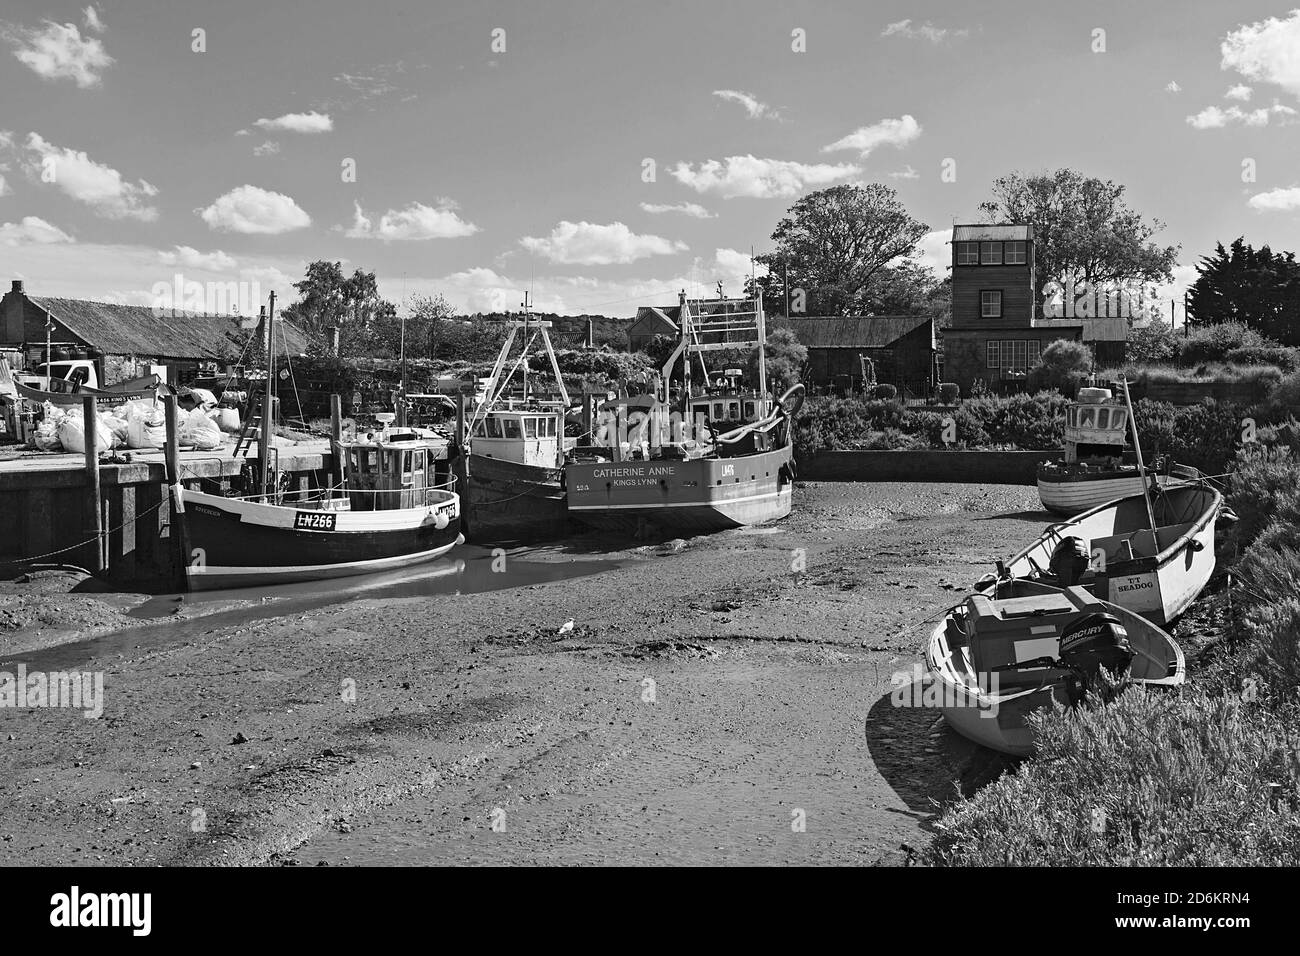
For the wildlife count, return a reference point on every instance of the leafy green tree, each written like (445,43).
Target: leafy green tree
(1257,287)
(1064,365)
(329,300)
(1154,342)
(837,245)
(1084,231)
(786,358)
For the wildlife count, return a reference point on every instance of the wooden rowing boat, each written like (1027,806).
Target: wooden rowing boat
(998,657)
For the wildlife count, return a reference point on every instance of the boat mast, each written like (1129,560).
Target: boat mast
(1142,471)
(268,401)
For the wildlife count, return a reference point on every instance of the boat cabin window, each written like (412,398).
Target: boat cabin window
(1118,418)
(1086,417)
(480,430)
(749,410)
(530,427)
(512,427)
(734,409)
(550,427)
(493,428)
(1103,418)
(719,412)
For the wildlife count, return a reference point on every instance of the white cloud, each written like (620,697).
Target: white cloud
(31,230)
(590,244)
(4,186)
(926,31)
(751,177)
(932,250)
(1239,92)
(416,221)
(59,51)
(907,172)
(98,186)
(1266,52)
(888,132)
(694,210)
(753,106)
(1212,117)
(1277,200)
(92,21)
(191,258)
(251,210)
(269,148)
(1173,87)
(311,122)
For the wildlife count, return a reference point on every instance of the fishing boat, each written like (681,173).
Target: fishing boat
(1095,468)
(699,458)
(1152,553)
(396,507)
(514,485)
(998,657)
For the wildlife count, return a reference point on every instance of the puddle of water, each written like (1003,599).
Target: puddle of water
(470,571)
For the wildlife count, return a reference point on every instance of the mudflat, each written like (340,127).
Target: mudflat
(721,699)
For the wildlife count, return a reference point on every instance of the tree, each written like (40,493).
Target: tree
(1257,287)
(1084,232)
(1064,365)
(329,300)
(837,245)
(786,357)
(1153,342)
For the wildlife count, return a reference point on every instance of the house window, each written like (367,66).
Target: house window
(1013,353)
(968,253)
(1014,253)
(991,304)
(990,253)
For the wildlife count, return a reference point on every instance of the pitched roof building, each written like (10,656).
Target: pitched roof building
(900,349)
(127,335)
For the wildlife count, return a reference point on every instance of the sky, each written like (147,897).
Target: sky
(604,154)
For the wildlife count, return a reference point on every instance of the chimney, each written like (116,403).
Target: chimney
(17,287)
(12,327)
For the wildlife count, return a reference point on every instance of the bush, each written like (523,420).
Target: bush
(1212,343)
(1063,365)
(1264,488)
(1151,779)
(949,393)
(884,391)
(1154,342)
(1284,357)
(1204,436)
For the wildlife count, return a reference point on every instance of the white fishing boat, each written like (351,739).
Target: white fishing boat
(1000,656)
(514,485)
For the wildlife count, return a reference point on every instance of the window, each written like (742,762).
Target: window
(1014,253)
(480,430)
(968,253)
(512,427)
(734,409)
(719,412)
(990,253)
(1014,354)
(1103,418)
(530,428)
(1035,350)
(550,428)
(494,427)
(991,304)
(749,410)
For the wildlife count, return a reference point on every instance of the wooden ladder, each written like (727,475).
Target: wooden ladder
(248,434)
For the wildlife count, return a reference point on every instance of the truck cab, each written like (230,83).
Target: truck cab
(62,376)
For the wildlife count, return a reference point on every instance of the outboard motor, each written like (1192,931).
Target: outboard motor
(1069,561)
(1091,643)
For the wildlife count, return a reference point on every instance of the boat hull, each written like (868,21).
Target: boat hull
(506,500)
(692,496)
(1071,493)
(234,543)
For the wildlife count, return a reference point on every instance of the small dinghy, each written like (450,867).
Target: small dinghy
(1112,551)
(1000,656)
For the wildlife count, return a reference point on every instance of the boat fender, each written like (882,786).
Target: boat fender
(440,521)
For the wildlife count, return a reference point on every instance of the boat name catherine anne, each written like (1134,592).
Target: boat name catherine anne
(644,471)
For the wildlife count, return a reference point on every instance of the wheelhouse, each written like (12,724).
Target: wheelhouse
(386,475)
(528,436)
